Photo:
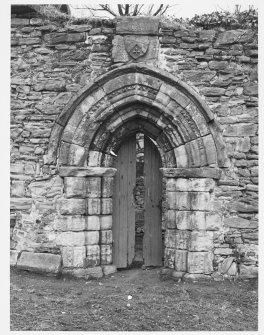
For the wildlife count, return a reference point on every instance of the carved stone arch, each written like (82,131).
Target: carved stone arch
(132,91)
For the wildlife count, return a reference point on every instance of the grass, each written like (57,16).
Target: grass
(47,303)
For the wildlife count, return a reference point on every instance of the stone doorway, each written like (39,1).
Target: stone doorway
(137,204)
(140,99)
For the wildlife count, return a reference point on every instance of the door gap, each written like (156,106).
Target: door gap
(139,202)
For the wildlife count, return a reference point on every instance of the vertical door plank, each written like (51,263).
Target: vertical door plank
(152,242)
(123,210)
(131,183)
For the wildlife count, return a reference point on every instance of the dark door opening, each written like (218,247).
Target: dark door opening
(137,204)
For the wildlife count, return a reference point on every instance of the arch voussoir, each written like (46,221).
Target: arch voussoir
(137,93)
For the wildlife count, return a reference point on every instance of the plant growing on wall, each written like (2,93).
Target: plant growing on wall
(129,9)
(247,19)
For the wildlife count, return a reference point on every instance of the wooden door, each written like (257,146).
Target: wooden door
(123,205)
(152,241)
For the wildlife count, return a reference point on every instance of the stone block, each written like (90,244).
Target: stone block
(225,265)
(23,204)
(181,201)
(190,220)
(199,76)
(72,154)
(93,206)
(56,38)
(93,187)
(19,22)
(39,262)
(136,48)
(106,237)
(109,269)
(171,200)
(72,206)
(71,239)
(213,221)
(91,237)
(240,129)
(169,259)
(243,207)
(181,156)
(223,251)
(73,256)
(50,85)
(229,37)
(176,96)
(237,222)
(76,171)
(106,254)
(137,25)
(212,91)
(92,256)
(14,254)
(170,238)
(171,219)
(210,150)
(190,184)
(94,158)
(199,200)
(17,168)
(93,222)
(251,89)
(200,262)
(207,35)
(232,271)
(204,172)
(107,187)
(36,21)
(107,206)
(181,260)
(201,241)
(249,251)
(218,66)
(248,271)
(196,155)
(18,188)
(182,239)
(70,223)
(106,222)
(74,187)
(119,53)
(77,238)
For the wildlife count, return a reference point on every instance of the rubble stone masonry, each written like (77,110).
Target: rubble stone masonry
(61,173)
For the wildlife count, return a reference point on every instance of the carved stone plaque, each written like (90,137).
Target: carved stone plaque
(135,48)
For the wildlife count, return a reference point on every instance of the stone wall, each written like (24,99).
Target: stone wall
(50,64)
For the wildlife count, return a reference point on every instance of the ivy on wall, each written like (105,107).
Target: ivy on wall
(247,19)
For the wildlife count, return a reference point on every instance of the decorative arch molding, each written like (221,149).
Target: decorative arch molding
(131,98)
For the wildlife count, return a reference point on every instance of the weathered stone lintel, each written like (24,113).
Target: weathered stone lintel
(204,172)
(73,171)
(137,25)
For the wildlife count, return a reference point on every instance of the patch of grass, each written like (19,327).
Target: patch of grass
(47,303)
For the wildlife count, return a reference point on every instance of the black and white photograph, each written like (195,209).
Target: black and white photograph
(133,166)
